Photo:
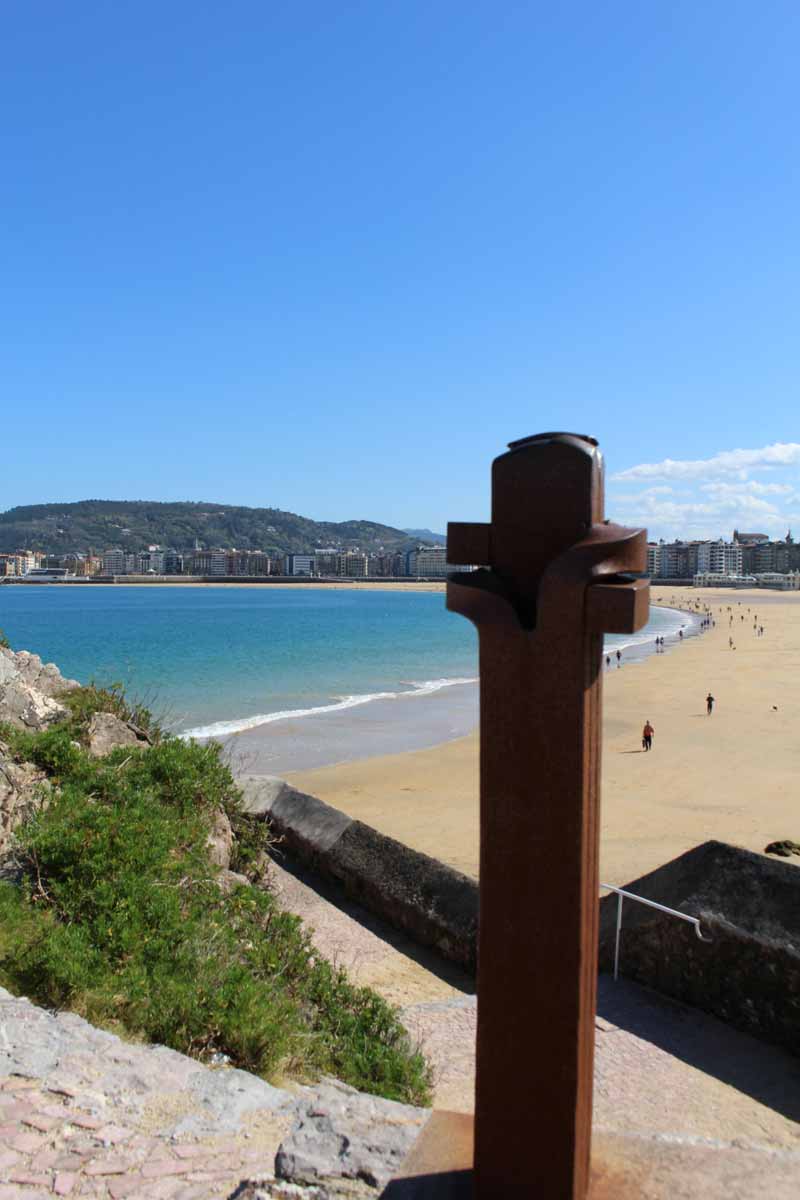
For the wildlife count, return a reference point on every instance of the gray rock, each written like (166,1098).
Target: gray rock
(28,689)
(106,733)
(230,879)
(38,1044)
(220,841)
(259,793)
(23,789)
(345,1138)
(276,1189)
(43,677)
(224,1097)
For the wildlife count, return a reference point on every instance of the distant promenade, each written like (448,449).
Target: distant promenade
(392,581)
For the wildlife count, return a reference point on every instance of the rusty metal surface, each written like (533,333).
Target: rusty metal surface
(540,628)
(439,1165)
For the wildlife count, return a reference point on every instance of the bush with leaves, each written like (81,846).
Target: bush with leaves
(84,702)
(121,918)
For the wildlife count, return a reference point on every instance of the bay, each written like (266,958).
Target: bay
(219,660)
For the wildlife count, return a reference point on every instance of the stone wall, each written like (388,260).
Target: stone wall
(749,906)
(434,904)
(747,973)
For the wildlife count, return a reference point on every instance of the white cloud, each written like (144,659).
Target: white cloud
(750,486)
(736,463)
(709,498)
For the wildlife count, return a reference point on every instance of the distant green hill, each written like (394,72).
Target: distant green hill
(135,524)
(427,536)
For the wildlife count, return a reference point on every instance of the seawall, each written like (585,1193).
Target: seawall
(434,904)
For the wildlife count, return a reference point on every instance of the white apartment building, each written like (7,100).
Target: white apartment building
(26,561)
(300,564)
(209,562)
(719,558)
(714,579)
(428,562)
(653,559)
(150,562)
(788,581)
(114,562)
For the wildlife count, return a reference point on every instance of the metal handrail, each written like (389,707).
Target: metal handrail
(673,912)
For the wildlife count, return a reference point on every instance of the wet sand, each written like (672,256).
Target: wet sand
(732,775)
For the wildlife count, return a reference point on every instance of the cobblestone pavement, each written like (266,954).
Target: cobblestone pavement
(660,1067)
(85,1114)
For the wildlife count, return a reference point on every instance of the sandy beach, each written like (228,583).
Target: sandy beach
(732,775)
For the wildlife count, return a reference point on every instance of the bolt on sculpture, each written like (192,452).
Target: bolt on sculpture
(552,582)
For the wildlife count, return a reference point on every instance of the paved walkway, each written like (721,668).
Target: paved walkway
(660,1067)
(85,1114)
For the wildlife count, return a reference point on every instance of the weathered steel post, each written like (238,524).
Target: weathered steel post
(552,584)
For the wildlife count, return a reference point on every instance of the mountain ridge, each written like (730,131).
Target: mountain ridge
(134,525)
(427,535)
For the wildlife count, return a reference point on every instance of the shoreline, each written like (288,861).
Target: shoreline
(357,728)
(730,776)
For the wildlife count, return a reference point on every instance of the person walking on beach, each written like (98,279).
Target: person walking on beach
(619,656)
(709,704)
(647,735)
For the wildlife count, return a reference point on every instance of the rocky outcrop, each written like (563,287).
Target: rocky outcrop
(28,690)
(220,841)
(277,1189)
(23,789)
(136,1116)
(785,849)
(106,733)
(349,1141)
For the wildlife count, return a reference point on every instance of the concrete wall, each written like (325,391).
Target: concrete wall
(435,905)
(749,905)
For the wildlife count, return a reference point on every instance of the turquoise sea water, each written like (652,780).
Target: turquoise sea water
(221,660)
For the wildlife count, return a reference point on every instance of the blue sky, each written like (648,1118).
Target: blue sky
(332,257)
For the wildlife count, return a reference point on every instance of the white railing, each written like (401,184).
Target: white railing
(622,895)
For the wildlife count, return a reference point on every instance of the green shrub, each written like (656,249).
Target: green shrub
(121,919)
(5,644)
(84,702)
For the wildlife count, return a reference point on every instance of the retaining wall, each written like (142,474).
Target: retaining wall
(434,904)
(749,905)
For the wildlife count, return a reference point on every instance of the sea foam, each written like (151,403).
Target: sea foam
(225,728)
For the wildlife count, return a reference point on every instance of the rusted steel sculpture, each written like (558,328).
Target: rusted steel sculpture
(553,581)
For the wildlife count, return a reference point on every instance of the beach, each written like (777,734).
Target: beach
(731,775)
